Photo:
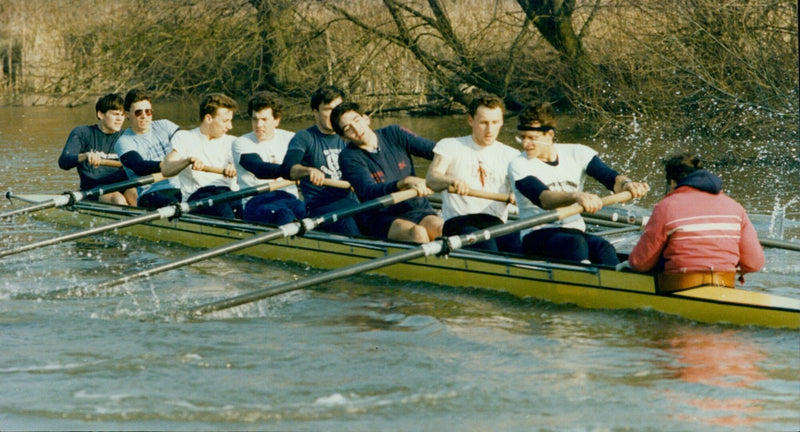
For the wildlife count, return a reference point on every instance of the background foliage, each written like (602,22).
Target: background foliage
(686,67)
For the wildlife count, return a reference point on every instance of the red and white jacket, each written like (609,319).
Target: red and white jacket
(697,228)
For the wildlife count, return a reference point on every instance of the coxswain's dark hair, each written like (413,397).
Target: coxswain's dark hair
(339,111)
(680,165)
(111,101)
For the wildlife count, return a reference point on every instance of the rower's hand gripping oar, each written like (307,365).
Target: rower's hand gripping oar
(494,196)
(283,231)
(436,247)
(69,198)
(166,212)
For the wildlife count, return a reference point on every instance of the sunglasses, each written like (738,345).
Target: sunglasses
(146,111)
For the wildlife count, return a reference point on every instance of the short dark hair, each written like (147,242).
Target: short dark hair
(136,95)
(263,100)
(111,101)
(538,112)
(680,165)
(326,94)
(487,100)
(339,111)
(214,101)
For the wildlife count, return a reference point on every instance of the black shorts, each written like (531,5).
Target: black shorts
(378,224)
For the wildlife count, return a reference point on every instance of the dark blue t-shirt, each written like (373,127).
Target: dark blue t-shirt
(312,148)
(83,139)
(374,175)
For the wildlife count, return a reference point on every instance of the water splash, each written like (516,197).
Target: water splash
(778,216)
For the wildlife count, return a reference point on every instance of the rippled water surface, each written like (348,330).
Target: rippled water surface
(368,353)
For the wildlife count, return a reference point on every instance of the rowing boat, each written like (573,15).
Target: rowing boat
(582,285)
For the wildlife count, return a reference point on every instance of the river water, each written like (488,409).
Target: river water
(367,353)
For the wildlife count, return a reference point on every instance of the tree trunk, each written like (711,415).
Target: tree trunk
(268,13)
(553,19)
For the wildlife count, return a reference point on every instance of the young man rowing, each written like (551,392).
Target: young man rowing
(475,162)
(88,146)
(549,175)
(258,156)
(377,163)
(313,156)
(143,146)
(208,145)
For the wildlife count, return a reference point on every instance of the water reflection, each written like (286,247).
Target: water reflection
(725,367)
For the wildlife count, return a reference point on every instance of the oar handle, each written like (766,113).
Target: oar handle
(477,193)
(213,170)
(110,163)
(565,212)
(339,184)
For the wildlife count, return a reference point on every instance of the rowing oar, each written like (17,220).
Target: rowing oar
(495,196)
(69,198)
(641,221)
(437,247)
(111,163)
(283,231)
(170,211)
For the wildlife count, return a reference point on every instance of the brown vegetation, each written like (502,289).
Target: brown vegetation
(689,67)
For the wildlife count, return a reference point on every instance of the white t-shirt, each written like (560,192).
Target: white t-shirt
(568,176)
(483,168)
(214,153)
(272,151)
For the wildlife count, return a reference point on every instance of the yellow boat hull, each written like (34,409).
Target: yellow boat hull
(584,286)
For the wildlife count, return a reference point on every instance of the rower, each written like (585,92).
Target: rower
(692,245)
(475,162)
(143,146)
(88,147)
(313,156)
(379,162)
(258,156)
(208,145)
(549,175)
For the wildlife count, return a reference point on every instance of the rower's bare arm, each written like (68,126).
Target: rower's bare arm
(623,183)
(315,175)
(554,199)
(174,164)
(415,183)
(437,178)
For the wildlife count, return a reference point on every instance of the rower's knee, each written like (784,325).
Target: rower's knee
(114,198)
(403,230)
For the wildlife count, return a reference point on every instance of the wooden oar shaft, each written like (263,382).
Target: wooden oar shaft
(283,231)
(428,249)
(339,184)
(111,163)
(495,196)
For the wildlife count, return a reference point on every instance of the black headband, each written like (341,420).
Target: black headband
(535,128)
